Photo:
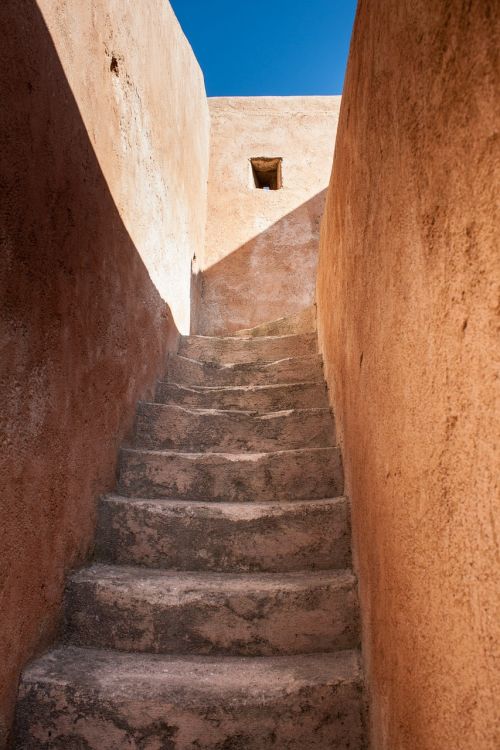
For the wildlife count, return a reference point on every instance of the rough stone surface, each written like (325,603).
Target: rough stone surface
(308,473)
(408,321)
(261,570)
(234,350)
(260,398)
(260,255)
(99,221)
(99,700)
(301,322)
(255,614)
(162,426)
(291,370)
(224,537)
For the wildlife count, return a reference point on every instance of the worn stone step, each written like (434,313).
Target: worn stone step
(247,614)
(292,370)
(305,474)
(224,537)
(260,398)
(233,350)
(303,321)
(169,427)
(77,698)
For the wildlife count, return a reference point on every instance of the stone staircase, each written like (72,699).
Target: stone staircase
(220,612)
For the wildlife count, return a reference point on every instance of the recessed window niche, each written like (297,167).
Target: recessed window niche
(266,173)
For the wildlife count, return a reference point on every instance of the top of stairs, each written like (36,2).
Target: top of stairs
(238,350)
(301,322)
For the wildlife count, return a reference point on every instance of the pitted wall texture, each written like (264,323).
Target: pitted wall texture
(408,320)
(102,106)
(261,246)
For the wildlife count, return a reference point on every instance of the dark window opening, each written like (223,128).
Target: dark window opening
(266,173)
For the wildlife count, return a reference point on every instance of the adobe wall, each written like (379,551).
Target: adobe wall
(408,319)
(102,107)
(261,246)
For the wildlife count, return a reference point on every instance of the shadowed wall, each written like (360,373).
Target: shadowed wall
(408,317)
(87,138)
(261,248)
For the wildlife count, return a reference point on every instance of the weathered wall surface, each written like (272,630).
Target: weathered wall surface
(261,246)
(408,319)
(103,105)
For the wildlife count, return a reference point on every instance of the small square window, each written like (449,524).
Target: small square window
(266,173)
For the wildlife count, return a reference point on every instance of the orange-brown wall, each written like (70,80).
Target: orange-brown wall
(408,315)
(99,220)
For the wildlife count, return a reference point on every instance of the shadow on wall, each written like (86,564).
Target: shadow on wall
(84,334)
(271,275)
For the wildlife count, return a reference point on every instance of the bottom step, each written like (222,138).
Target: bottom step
(77,698)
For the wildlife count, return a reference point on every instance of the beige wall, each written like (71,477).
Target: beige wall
(409,319)
(261,247)
(104,139)
(148,124)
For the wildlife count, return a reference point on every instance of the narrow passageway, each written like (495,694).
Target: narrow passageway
(220,610)
(249,375)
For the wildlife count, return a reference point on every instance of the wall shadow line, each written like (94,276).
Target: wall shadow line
(271,275)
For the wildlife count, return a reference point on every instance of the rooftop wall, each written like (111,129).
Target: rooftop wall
(408,320)
(261,249)
(103,109)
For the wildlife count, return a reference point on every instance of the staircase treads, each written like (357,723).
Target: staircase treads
(250,614)
(258,398)
(303,321)
(223,546)
(104,700)
(238,537)
(309,473)
(235,350)
(289,370)
(171,427)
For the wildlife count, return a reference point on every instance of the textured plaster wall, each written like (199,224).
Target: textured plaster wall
(408,313)
(261,246)
(104,142)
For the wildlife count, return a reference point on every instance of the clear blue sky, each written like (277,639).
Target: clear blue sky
(275,47)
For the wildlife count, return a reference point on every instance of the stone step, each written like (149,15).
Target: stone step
(291,370)
(260,398)
(245,614)
(169,427)
(77,698)
(233,350)
(305,474)
(301,322)
(224,537)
